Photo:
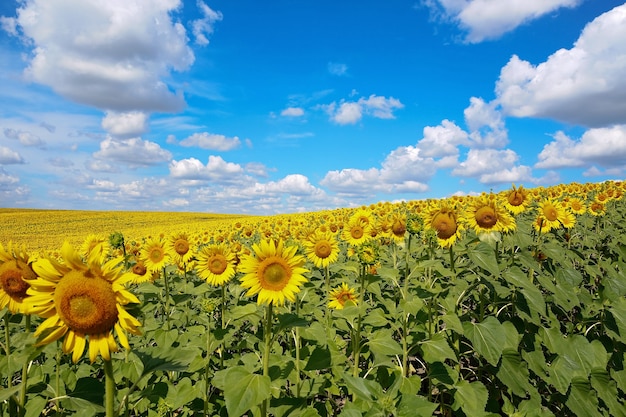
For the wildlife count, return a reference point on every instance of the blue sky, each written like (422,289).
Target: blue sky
(287,106)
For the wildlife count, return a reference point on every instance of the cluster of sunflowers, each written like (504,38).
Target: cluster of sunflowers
(82,294)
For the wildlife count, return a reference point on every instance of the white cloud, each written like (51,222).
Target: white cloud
(8,156)
(350,112)
(605,147)
(125,125)
(7,180)
(443,140)
(486,161)
(292,112)
(202,28)
(485,124)
(134,152)
(211,141)
(216,170)
(516,174)
(490,19)
(336,68)
(25,138)
(116,55)
(582,85)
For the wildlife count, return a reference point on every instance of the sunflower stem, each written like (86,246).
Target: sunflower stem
(267,336)
(59,412)
(22,402)
(357,333)
(166,305)
(296,339)
(109,389)
(223,317)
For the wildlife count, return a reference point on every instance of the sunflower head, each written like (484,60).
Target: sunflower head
(322,248)
(442,218)
(342,296)
(154,254)
(82,299)
(275,272)
(216,264)
(15,274)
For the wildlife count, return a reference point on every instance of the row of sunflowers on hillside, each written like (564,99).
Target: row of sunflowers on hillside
(83,296)
(271,268)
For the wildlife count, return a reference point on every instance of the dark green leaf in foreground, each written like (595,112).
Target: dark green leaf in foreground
(486,338)
(243,390)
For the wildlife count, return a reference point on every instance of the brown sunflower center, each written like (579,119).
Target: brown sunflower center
(217,264)
(11,280)
(550,212)
(274,273)
(486,217)
(156,254)
(357,231)
(87,305)
(445,225)
(139,269)
(398,228)
(323,249)
(516,198)
(181,246)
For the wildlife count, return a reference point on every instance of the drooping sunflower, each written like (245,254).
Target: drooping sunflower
(138,273)
(341,296)
(15,273)
(216,264)
(274,272)
(443,218)
(321,248)
(398,226)
(517,200)
(82,300)
(485,214)
(154,255)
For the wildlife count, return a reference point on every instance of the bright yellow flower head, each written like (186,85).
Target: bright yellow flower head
(82,300)
(553,213)
(342,296)
(216,264)
(274,272)
(180,248)
(154,255)
(517,200)
(322,248)
(442,217)
(485,214)
(15,273)
(357,231)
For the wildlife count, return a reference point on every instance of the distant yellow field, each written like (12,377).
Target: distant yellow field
(48,229)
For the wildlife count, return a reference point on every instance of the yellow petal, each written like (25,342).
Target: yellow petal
(79,347)
(54,335)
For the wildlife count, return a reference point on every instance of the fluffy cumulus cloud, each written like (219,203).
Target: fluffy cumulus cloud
(24,137)
(211,141)
(486,124)
(493,166)
(8,156)
(125,125)
(117,55)
(489,19)
(583,85)
(292,112)
(443,140)
(216,170)
(351,112)
(603,147)
(134,152)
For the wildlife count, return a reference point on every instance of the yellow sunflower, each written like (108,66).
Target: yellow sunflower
(553,212)
(398,226)
(443,218)
(357,231)
(154,255)
(15,272)
(342,296)
(180,249)
(95,241)
(274,272)
(138,273)
(517,200)
(81,300)
(485,214)
(576,205)
(216,264)
(596,209)
(321,248)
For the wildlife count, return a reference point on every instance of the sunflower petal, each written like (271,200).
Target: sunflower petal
(79,347)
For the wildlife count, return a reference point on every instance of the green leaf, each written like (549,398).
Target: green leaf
(319,359)
(470,397)
(453,322)
(484,256)
(239,312)
(415,405)
(376,318)
(486,338)
(89,389)
(582,400)
(437,349)
(243,390)
(382,343)
(514,373)
(34,406)
(412,305)
(363,388)
(153,362)
(289,320)
(607,391)
(442,373)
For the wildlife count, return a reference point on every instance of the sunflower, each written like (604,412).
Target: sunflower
(342,296)
(274,272)
(81,300)
(398,226)
(553,212)
(485,215)
(442,218)
(576,205)
(15,272)
(216,264)
(597,209)
(322,248)
(517,200)
(96,241)
(357,231)
(138,273)
(154,255)
(179,249)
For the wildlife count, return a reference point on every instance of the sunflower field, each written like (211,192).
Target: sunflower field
(509,303)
